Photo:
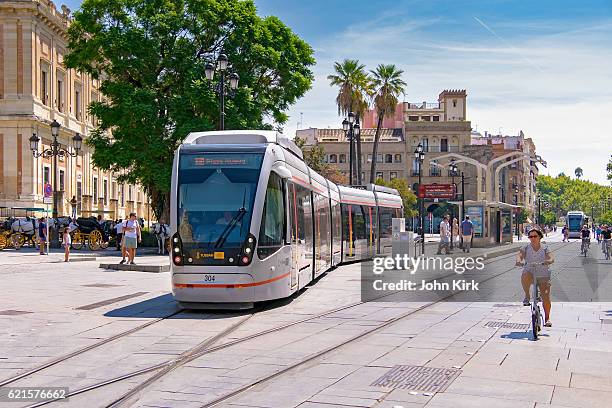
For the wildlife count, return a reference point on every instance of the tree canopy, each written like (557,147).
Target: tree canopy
(150,57)
(565,194)
(408,197)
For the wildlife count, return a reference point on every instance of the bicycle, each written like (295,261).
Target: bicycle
(584,248)
(536,312)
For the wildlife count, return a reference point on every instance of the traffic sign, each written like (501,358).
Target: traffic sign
(48,190)
(47,200)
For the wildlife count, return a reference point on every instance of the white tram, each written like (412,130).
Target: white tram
(575,220)
(252,222)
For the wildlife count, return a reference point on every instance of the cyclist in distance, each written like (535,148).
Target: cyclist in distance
(605,238)
(536,253)
(585,236)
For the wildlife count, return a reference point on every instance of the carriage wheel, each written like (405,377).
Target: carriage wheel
(18,240)
(78,240)
(3,241)
(94,240)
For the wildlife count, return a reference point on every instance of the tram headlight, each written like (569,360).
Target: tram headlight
(247,250)
(177,249)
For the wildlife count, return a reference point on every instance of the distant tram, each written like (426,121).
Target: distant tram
(574,221)
(252,222)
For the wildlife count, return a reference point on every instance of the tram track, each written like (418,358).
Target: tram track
(264,379)
(210,346)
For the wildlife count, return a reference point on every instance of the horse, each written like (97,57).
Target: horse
(162,233)
(27,227)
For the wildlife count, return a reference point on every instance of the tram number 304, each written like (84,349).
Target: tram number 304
(209,278)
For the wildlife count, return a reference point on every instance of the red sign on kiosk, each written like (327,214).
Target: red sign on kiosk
(444,191)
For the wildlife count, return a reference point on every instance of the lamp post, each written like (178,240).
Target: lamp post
(54,152)
(351,129)
(453,170)
(222,66)
(420,156)
(518,235)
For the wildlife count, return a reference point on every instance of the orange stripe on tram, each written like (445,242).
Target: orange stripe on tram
(229,285)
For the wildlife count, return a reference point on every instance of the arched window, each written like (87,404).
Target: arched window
(343,158)
(398,158)
(388,158)
(333,158)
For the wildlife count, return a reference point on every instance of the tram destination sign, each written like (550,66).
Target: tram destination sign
(443,191)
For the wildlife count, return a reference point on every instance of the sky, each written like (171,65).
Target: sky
(541,67)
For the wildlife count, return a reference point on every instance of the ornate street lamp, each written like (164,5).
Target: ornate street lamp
(453,170)
(54,152)
(420,156)
(222,66)
(352,131)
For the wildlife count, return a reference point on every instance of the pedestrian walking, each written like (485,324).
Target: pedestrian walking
(42,234)
(455,231)
(467,231)
(131,236)
(67,240)
(119,231)
(445,236)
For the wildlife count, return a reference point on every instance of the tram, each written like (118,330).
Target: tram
(575,220)
(252,222)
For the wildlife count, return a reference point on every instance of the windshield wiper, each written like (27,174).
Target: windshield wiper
(223,237)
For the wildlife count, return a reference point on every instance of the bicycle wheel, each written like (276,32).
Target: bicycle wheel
(535,323)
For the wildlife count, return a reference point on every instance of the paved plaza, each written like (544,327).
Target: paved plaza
(321,348)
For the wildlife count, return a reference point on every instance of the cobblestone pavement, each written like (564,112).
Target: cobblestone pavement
(338,359)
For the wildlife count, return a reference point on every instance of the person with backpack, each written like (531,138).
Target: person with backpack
(467,232)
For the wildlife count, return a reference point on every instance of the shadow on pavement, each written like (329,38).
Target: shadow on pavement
(165,305)
(521,335)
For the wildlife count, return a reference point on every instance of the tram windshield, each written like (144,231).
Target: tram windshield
(574,222)
(215,198)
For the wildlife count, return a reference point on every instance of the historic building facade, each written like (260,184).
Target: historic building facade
(35,89)
(442,129)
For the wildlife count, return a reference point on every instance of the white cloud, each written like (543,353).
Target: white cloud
(563,99)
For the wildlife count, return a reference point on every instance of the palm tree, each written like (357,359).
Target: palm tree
(354,85)
(578,172)
(388,85)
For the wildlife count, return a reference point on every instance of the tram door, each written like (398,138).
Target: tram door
(301,234)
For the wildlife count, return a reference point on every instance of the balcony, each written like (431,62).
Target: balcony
(414,173)
(424,105)
(435,172)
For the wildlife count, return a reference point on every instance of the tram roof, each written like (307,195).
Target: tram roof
(242,137)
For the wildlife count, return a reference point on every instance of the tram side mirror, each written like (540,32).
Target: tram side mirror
(282,171)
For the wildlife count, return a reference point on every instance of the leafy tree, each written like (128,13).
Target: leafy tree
(566,194)
(409,199)
(609,169)
(150,57)
(355,86)
(578,172)
(314,156)
(388,85)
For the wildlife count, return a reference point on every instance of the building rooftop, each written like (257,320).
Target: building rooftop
(367,135)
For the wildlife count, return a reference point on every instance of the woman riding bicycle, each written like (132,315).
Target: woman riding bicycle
(535,253)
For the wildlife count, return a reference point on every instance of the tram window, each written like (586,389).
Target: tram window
(386,216)
(359,229)
(271,231)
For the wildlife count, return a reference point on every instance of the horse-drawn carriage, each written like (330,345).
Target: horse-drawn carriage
(91,233)
(16,231)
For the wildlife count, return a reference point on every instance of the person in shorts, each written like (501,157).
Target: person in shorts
(67,241)
(131,237)
(535,252)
